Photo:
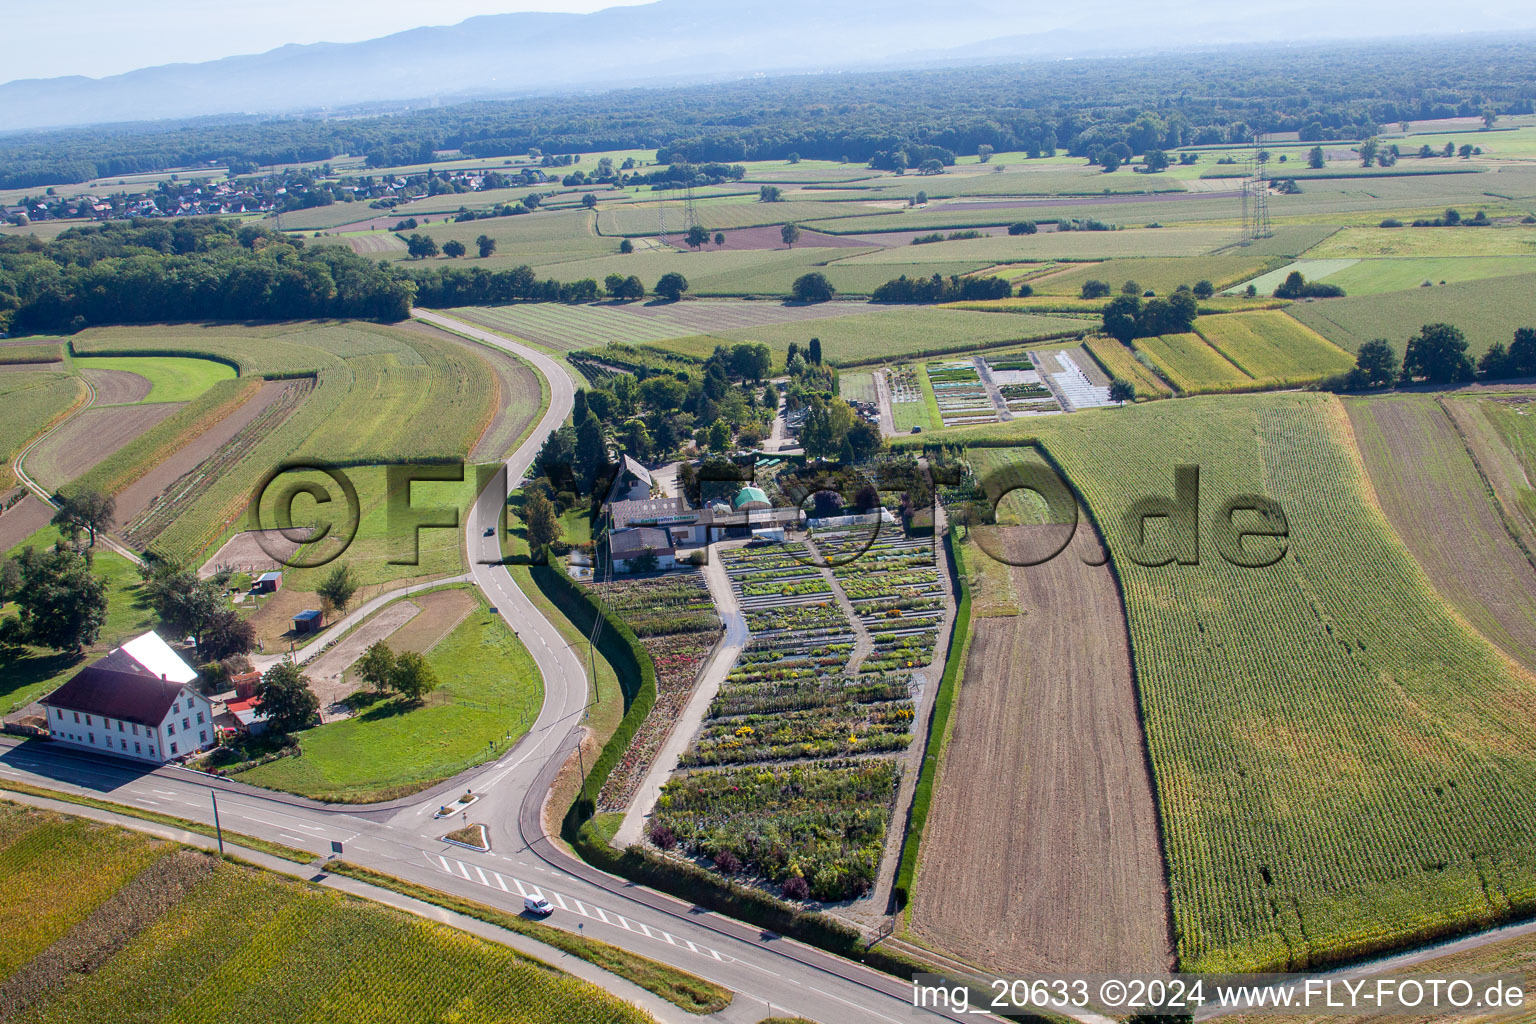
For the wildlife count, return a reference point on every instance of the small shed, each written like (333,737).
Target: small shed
(267,583)
(247,716)
(245,684)
(308,621)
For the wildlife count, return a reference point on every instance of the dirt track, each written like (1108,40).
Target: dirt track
(1041,850)
(117,387)
(328,673)
(90,437)
(137,496)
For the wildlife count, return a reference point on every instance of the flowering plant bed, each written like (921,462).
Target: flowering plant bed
(473,836)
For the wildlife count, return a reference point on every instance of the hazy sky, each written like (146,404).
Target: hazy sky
(107,37)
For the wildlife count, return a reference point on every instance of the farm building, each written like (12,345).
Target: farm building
(267,583)
(245,684)
(629,546)
(247,718)
(148,655)
(631,483)
(310,620)
(129,714)
(694,526)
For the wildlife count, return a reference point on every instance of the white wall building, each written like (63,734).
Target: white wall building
(118,706)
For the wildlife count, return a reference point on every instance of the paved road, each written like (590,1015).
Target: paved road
(772,975)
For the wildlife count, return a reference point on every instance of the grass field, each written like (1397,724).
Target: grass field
(1370,783)
(1139,242)
(248,946)
(563,328)
(1372,277)
(723,215)
(1120,362)
(1191,365)
(1486,311)
(1312,270)
(490,694)
(1273,348)
(170,379)
(1456,241)
(899,333)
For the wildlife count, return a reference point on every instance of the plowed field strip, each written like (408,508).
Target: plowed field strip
(88,438)
(1041,850)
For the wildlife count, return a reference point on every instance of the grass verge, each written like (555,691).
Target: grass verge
(676,986)
(185,824)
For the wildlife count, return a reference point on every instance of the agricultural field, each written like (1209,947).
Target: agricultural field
(907,332)
(1486,311)
(125,909)
(1272,348)
(1021,384)
(1045,680)
(827,681)
(32,402)
(960,394)
(391,748)
(912,402)
(1291,837)
(1121,363)
(1138,242)
(1431,490)
(725,215)
(1312,270)
(1375,276)
(170,379)
(1499,433)
(677,624)
(1191,365)
(1358,243)
(857,386)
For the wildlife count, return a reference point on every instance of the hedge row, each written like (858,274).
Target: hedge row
(938,728)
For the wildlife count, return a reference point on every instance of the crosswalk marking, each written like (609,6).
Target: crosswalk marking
(495,880)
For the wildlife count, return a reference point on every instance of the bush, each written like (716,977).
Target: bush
(1391,222)
(1094,289)
(1023,227)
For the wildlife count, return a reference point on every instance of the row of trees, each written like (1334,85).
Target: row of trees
(940,289)
(1437,354)
(1127,317)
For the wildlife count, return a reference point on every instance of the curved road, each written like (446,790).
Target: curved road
(772,976)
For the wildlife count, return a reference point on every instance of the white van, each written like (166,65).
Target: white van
(537,905)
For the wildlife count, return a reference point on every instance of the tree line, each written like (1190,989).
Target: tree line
(1331,91)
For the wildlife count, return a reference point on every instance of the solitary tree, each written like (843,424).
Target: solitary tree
(86,510)
(1130,288)
(790,233)
(812,287)
(453,248)
(541,520)
(719,238)
(1155,160)
(671,286)
(983,153)
(697,236)
(626,247)
(486,244)
(374,667)
(589,201)
(794,158)
(769,194)
(338,587)
(60,603)
(813,350)
(1204,289)
(225,635)
(1093,289)
(285,698)
(1315,158)
(412,677)
(1122,391)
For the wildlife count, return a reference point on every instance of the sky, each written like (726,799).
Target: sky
(108,37)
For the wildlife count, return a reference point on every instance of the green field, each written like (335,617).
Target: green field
(1312,270)
(723,215)
(490,693)
(31,402)
(1486,311)
(382,395)
(244,944)
(905,332)
(1371,779)
(170,379)
(1120,362)
(563,328)
(1375,276)
(1191,365)
(1271,347)
(1139,242)
(538,239)
(1359,243)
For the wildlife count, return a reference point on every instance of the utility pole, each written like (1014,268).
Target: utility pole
(217,831)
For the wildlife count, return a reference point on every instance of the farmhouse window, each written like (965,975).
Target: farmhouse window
(186,723)
(170,730)
(87,719)
(173,748)
(202,735)
(199,718)
(77,718)
(176,707)
(93,737)
(136,748)
(119,726)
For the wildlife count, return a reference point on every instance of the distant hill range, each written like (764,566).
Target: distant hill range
(677,41)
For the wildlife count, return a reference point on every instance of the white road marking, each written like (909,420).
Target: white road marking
(500,882)
(558,901)
(520,890)
(483,879)
(296,839)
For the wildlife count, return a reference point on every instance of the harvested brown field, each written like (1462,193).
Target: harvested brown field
(328,675)
(151,502)
(117,387)
(1439,505)
(1041,852)
(519,395)
(22,520)
(441,611)
(93,435)
(250,551)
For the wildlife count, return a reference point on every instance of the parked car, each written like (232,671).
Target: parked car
(537,905)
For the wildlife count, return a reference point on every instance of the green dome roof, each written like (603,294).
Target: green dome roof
(748,494)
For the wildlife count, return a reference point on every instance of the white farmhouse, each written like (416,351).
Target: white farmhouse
(137,702)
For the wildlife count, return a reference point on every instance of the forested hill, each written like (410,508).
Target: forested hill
(1191,98)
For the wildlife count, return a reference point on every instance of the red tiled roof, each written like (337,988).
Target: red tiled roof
(126,695)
